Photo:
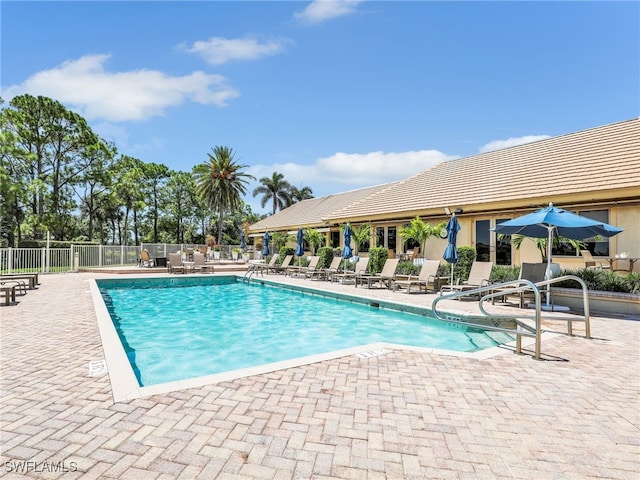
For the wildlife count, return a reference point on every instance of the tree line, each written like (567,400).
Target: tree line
(60,177)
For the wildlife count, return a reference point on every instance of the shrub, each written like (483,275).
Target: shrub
(461,269)
(633,282)
(284,251)
(603,280)
(504,273)
(377,257)
(407,268)
(326,255)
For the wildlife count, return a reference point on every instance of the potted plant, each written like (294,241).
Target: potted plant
(235,253)
(216,252)
(210,240)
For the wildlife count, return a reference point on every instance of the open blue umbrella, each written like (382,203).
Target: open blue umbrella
(265,244)
(347,252)
(243,242)
(552,221)
(451,252)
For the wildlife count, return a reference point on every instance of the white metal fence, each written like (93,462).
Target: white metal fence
(56,260)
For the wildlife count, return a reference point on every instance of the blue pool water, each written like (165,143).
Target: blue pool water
(177,329)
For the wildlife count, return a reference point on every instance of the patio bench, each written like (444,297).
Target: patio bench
(9,294)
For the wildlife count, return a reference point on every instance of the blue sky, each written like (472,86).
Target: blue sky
(334,95)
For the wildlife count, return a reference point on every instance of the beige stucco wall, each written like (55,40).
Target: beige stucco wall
(625,217)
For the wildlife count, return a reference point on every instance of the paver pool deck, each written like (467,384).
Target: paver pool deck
(402,415)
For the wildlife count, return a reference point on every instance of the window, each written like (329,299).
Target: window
(503,247)
(335,239)
(391,238)
(597,246)
(379,236)
(483,246)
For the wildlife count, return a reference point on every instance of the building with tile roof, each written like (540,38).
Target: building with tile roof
(595,172)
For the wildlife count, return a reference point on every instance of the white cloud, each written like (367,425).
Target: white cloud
(511,142)
(121,139)
(320,10)
(217,50)
(95,93)
(351,170)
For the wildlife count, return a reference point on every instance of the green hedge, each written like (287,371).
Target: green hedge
(284,251)
(596,279)
(377,257)
(603,280)
(326,256)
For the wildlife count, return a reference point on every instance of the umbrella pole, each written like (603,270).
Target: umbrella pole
(548,272)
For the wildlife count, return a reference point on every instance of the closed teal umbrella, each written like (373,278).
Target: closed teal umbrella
(451,252)
(346,251)
(299,247)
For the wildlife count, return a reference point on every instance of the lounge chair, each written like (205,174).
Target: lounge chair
(384,278)
(200,263)
(175,263)
(534,272)
(478,277)
(282,268)
(324,273)
(146,260)
(426,277)
(261,267)
(360,268)
(297,270)
(590,262)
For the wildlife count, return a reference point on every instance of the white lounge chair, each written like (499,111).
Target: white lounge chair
(360,268)
(426,277)
(384,278)
(478,277)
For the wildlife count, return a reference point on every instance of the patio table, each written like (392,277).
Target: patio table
(612,261)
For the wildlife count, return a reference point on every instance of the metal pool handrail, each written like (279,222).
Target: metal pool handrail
(491,291)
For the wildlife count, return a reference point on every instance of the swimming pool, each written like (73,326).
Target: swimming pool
(178,328)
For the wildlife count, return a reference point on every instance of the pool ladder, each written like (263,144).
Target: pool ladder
(523,324)
(251,269)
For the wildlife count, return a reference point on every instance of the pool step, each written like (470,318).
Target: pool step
(500,337)
(488,339)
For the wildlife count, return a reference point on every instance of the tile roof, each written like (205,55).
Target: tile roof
(311,213)
(598,163)
(601,163)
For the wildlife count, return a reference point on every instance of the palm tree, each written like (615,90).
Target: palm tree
(419,231)
(280,239)
(315,239)
(298,194)
(541,243)
(275,189)
(221,182)
(360,235)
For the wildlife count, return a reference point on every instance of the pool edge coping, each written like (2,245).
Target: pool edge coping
(125,386)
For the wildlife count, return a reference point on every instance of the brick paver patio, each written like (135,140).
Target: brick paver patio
(402,415)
